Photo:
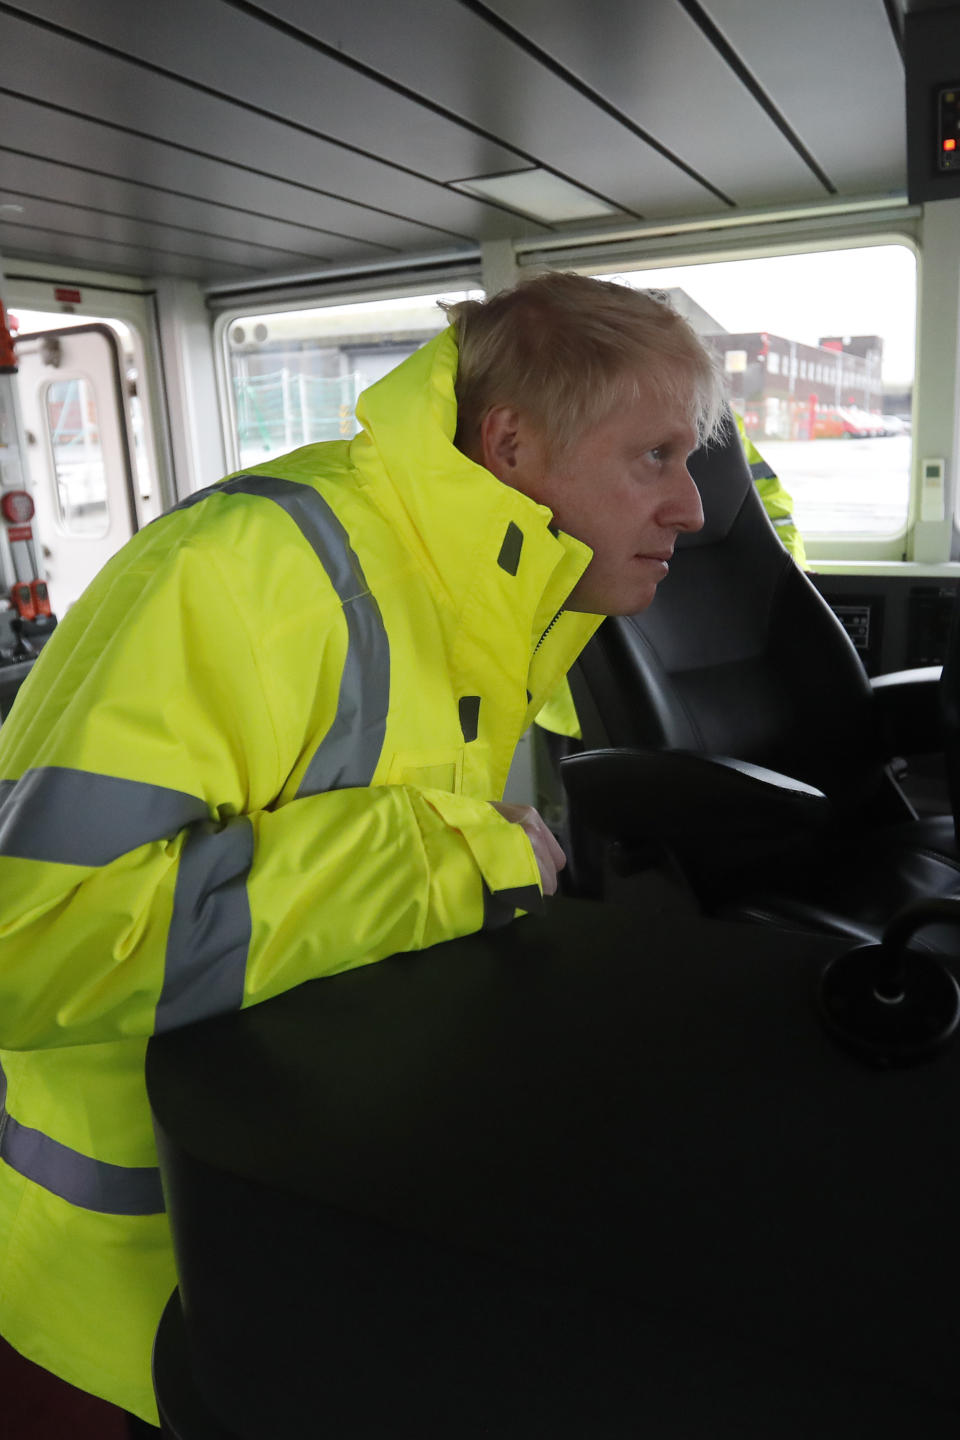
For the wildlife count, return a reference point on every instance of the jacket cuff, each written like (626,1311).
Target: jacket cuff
(472,838)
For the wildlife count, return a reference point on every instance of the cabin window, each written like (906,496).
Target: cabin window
(73,433)
(826,389)
(295,375)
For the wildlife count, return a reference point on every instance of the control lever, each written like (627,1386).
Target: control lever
(21,598)
(888,1004)
(22,649)
(40,596)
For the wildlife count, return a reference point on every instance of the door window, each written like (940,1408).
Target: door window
(73,432)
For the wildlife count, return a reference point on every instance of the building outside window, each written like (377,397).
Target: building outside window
(296,375)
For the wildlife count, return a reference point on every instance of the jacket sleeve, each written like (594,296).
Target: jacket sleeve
(151,873)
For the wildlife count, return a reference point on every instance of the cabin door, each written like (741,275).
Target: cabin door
(81,473)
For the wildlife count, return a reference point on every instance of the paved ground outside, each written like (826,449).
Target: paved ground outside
(844,487)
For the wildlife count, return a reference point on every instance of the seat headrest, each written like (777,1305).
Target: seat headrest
(723,478)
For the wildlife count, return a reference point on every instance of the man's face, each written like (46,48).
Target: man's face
(623,488)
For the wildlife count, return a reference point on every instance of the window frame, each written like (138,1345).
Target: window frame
(821,549)
(706,243)
(355,292)
(923,547)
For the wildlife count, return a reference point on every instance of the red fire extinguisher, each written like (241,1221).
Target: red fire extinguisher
(28,596)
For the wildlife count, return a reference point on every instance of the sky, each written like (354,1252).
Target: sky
(866,291)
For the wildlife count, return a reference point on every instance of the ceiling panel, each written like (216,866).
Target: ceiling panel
(208,252)
(478,74)
(241,58)
(71,140)
(223,138)
(88,190)
(812,55)
(93,222)
(54,245)
(653,63)
(106,88)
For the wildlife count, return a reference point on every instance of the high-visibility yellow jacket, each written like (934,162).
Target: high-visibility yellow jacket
(777,500)
(258,750)
(559,714)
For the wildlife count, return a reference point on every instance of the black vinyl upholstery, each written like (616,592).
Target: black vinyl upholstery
(739,658)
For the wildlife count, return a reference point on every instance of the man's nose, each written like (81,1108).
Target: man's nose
(688,509)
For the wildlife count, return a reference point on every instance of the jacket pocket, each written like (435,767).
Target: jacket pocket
(440,769)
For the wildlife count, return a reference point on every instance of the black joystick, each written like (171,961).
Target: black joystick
(22,649)
(890,1005)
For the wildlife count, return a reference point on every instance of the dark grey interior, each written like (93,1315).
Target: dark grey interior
(225,140)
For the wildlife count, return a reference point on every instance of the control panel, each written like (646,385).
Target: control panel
(932,64)
(895,623)
(948,127)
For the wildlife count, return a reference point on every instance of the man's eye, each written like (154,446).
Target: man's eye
(657,454)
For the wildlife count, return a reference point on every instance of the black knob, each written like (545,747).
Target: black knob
(889,1004)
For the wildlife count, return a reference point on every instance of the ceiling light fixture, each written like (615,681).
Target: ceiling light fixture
(539,194)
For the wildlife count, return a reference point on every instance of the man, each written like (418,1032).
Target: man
(264,745)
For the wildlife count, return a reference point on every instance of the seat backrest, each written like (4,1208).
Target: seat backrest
(738,655)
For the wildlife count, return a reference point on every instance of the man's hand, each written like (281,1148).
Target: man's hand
(549,857)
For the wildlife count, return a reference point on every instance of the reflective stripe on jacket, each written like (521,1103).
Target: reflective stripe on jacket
(257,750)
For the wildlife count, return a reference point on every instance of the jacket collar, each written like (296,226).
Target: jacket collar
(490,550)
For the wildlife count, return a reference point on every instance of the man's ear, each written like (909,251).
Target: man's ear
(500,442)
(512,448)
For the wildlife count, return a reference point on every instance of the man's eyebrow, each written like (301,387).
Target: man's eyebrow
(659,440)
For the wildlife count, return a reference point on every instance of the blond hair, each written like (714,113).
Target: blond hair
(567,350)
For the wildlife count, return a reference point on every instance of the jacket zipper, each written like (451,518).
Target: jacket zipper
(548,629)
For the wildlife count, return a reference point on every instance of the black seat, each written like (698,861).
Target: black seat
(732,732)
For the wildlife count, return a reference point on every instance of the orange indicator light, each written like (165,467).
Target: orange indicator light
(949,144)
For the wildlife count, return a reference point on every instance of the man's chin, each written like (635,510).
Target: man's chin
(613,604)
(627,591)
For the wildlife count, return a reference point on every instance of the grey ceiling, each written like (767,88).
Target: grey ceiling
(226,140)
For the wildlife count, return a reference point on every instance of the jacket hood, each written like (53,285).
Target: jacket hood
(409,420)
(460,519)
